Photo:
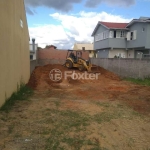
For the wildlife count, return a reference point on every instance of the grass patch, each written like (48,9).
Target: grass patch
(66,130)
(103,104)
(76,142)
(67,119)
(145,81)
(106,116)
(22,93)
(75,119)
(57,103)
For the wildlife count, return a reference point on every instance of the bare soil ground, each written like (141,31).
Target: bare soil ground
(103,114)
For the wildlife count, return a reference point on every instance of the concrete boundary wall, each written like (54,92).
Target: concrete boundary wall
(135,68)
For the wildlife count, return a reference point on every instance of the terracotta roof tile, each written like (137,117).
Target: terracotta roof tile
(114,25)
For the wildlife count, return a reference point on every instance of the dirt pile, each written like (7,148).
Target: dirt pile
(108,74)
(41,75)
(40,78)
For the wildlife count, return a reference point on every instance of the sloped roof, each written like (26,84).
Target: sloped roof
(141,19)
(114,25)
(110,25)
(78,46)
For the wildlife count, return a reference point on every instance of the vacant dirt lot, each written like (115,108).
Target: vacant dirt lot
(103,114)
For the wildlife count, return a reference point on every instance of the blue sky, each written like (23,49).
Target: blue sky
(64,23)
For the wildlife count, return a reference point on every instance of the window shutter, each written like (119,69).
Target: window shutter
(128,36)
(134,34)
(96,37)
(118,34)
(111,34)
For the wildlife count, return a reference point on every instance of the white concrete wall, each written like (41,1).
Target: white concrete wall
(116,52)
(130,53)
(33,53)
(31,47)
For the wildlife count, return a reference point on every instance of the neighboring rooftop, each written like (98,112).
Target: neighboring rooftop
(144,18)
(111,25)
(114,25)
(81,46)
(141,19)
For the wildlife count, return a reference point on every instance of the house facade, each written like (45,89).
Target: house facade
(86,47)
(124,40)
(14,47)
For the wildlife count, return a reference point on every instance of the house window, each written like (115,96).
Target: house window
(105,35)
(83,48)
(97,37)
(111,34)
(21,23)
(31,57)
(120,34)
(102,36)
(143,29)
(114,34)
(131,35)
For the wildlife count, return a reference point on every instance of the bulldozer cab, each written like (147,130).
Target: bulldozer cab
(74,55)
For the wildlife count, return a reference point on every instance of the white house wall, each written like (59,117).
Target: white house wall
(116,52)
(130,53)
(31,47)
(32,52)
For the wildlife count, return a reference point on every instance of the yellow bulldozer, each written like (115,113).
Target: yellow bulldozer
(74,60)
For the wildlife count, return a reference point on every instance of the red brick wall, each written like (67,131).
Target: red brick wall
(48,54)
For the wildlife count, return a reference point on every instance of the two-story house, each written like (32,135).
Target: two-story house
(125,40)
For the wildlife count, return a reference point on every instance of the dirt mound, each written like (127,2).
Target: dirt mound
(108,74)
(42,77)
(117,88)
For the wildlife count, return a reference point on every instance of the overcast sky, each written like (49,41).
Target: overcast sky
(65,22)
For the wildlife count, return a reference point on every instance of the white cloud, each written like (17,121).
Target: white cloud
(72,28)
(48,34)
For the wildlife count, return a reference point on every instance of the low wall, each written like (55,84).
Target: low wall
(51,53)
(33,64)
(134,68)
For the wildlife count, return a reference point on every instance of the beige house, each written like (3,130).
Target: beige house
(85,46)
(14,47)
